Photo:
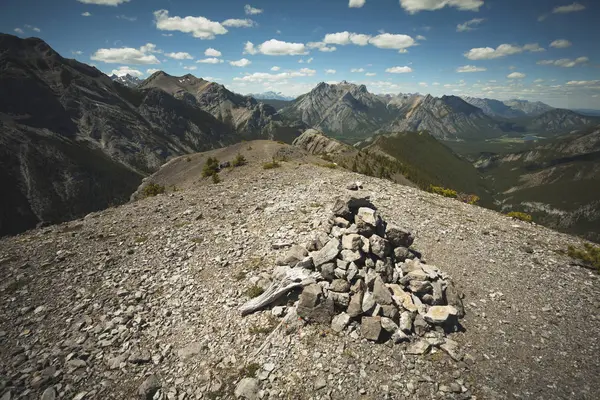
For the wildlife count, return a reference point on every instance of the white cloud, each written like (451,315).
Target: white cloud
(199,27)
(414,6)
(301,61)
(356,3)
(127,55)
(538,81)
(516,75)
(182,55)
(421,37)
(86,14)
(244,62)
(309,60)
(238,23)
(276,47)
(212,52)
(125,17)
(321,46)
(122,71)
(399,70)
(190,68)
(436,84)
(150,71)
(249,10)
(33,28)
(392,41)
(568,9)
(210,60)
(564,62)
(423,84)
(357,70)
(19,31)
(104,2)
(330,71)
(583,83)
(344,38)
(77,52)
(469,25)
(275,68)
(561,44)
(259,77)
(470,68)
(488,53)
(370,74)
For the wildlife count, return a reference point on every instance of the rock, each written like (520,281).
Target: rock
(388,324)
(342,264)
(328,271)
(320,383)
(451,347)
(340,273)
(340,285)
(414,275)
(340,300)
(399,237)
(368,302)
(313,306)
(439,314)
(420,325)
(352,272)
(401,253)
(419,348)
(278,311)
(116,362)
(367,221)
(6,396)
(354,186)
(351,256)
(385,269)
(390,311)
(352,242)
(49,394)
(140,357)
(453,298)
(306,263)
(379,246)
(420,287)
(355,308)
(399,336)
(190,350)
(247,388)
(149,387)
(340,322)
(438,293)
(406,322)
(295,254)
(381,294)
(327,253)
(401,298)
(341,222)
(370,328)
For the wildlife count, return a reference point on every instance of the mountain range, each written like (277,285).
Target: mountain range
(74,140)
(271,96)
(127,80)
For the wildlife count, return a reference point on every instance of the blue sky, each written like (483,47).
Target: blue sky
(532,49)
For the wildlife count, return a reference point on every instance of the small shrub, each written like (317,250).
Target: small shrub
(239,160)
(330,165)
(250,370)
(188,159)
(153,189)
(240,276)
(327,157)
(254,291)
(589,255)
(271,165)
(211,167)
(520,215)
(468,198)
(249,148)
(216,178)
(280,142)
(443,191)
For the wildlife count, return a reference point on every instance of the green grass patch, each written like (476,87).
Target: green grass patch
(589,255)
(239,160)
(271,165)
(443,191)
(520,215)
(210,168)
(254,291)
(153,189)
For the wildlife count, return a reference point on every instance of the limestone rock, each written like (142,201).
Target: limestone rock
(149,387)
(355,308)
(379,246)
(419,348)
(370,328)
(247,388)
(399,237)
(381,294)
(340,321)
(327,253)
(314,306)
(352,242)
(440,314)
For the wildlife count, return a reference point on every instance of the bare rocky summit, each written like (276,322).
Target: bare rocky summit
(142,300)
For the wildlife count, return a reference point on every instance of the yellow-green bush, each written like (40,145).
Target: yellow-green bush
(211,167)
(590,255)
(216,178)
(443,191)
(152,189)
(271,165)
(520,215)
(239,160)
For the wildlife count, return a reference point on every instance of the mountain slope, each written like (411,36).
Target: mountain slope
(75,141)
(340,110)
(530,108)
(446,118)
(243,113)
(271,96)
(559,121)
(494,108)
(557,181)
(127,80)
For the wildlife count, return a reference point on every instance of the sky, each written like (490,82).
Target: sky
(544,50)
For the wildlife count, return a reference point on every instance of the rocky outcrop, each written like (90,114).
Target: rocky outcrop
(316,142)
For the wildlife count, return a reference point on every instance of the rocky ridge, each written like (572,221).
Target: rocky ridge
(142,300)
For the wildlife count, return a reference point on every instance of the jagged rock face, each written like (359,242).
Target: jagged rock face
(342,108)
(560,121)
(494,108)
(447,118)
(528,107)
(75,141)
(242,113)
(127,80)
(315,142)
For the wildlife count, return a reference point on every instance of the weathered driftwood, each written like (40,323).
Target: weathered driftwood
(285,280)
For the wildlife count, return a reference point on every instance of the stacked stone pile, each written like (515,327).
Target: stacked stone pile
(372,283)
